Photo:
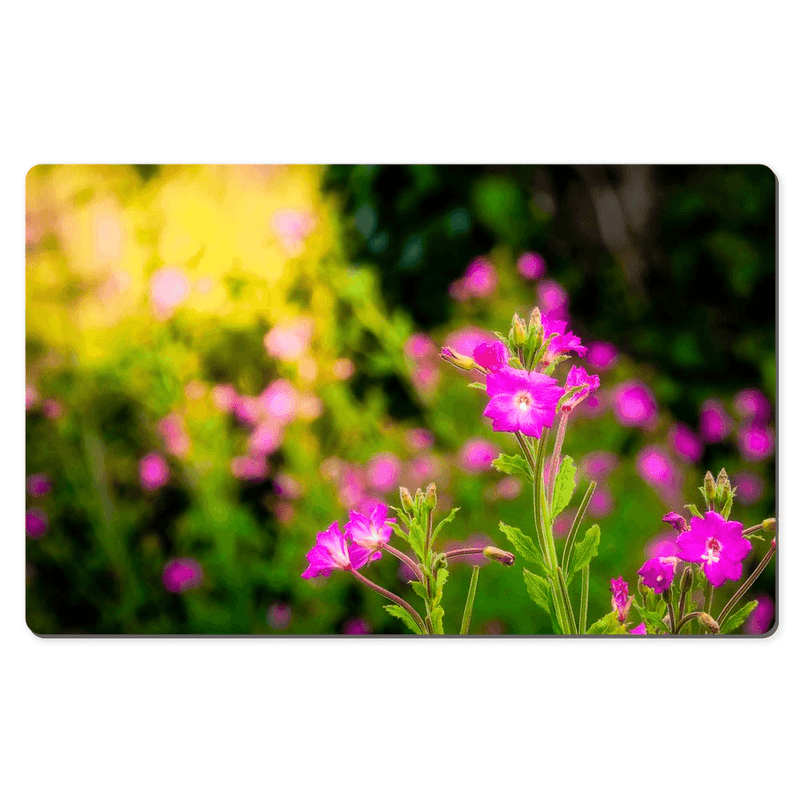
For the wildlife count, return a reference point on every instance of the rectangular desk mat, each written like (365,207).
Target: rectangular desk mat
(395,400)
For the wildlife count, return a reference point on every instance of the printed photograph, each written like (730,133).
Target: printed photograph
(397,400)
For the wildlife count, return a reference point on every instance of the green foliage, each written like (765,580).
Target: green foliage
(738,619)
(524,545)
(538,589)
(513,465)
(607,625)
(585,550)
(564,486)
(400,613)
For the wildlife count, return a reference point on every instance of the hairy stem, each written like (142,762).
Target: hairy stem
(390,596)
(584,609)
(406,560)
(746,585)
(473,588)
(576,523)
(556,457)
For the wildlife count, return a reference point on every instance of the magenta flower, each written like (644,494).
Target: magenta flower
(553,300)
(578,377)
(663,546)
(564,342)
(658,573)
(749,487)
(492,356)
(224,397)
(153,471)
(383,471)
(425,378)
(467,339)
(425,468)
(418,346)
(508,488)
(52,409)
(756,443)
(716,544)
(676,520)
(357,627)
(173,434)
(601,503)
(247,409)
(639,630)
(598,465)
(685,443)
(35,523)
(181,574)
(620,602)
(521,401)
(715,424)
(280,401)
(332,551)
(370,532)
(265,439)
(634,404)
(531,266)
(249,468)
(601,355)
(656,467)
(477,454)
(480,279)
(39,485)
(752,405)
(760,621)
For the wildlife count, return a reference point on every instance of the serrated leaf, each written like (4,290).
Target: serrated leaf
(400,613)
(653,622)
(726,511)
(445,521)
(398,530)
(607,625)
(565,486)
(736,620)
(585,550)
(524,545)
(419,589)
(416,539)
(538,589)
(693,508)
(441,579)
(437,618)
(513,465)
(477,385)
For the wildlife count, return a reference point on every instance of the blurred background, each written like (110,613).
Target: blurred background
(221,360)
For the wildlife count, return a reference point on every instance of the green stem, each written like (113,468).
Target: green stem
(576,523)
(556,457)
(745,586)
(671,610)
(560,612)
(473,588)
(584,612)
(573,628)
(390,596)
(687,619)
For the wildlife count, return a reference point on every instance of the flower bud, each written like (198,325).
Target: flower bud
(709,487)
(536,319)
(501,556)
(676,520)
(406,500)
(709,623)
(518,333)
(723,490)
(430,496)
(769,525)
(686,579)
(458,360)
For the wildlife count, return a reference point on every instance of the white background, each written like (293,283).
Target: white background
(684,82)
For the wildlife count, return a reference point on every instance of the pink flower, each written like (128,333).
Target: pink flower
(371,532)
(332,551)
(357,627)
(181,574)
(598,465)
(419,439)
(658,573)
(509,487)
(383,471)
(753,406)
(601,504)
(288,341)
(35,523)
(760,620)
(676,520)
(634,404)
(563,523)
(39,485)
(279,615)
(419,346)
(247,409)
(169,287)
(477,454)
(578,377)
(491,356)
(153,471)
(173,434)
(52,409)
(521,401)
(749,488)
(639,630)
(425,468)
(601,355)
(425,378)
(756,443)
(265,439)
(716,544)
(293,227)
(224,397)
(467,339)
(684,443)
(553,300)
(656,467)
(280,401)
(715,424)
(480,279)
(286,486)
(343,368)
(662,547)
(564,342)
(620,602)
(531,266)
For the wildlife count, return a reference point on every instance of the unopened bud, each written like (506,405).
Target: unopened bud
(536,319)
(406,500)
(502,556)
(769,525)
(686,579)
(518,332)
(708,622)
(457,359)
(430,496)
(709,487)
(676,520)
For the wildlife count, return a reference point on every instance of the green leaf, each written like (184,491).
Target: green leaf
(736,620)
(419,589)
(565,486)
(437,617)
(477,385)
(524,545)
(607,625)
(726,511)
(448,518)
(538,589)
(416,538)
(398,530)
(400,613)
(513,465)
(585,550)
(693,508)
(653,622)
(441,579)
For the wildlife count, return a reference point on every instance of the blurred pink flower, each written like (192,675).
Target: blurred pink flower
(752,405)
(601,355)
(52,409)
(662,546)
(35,523)
(424,469)
(425,378)
(760,620)
(480,279)
(477,454)
(247,409)
(756,443)
(601,504)
(173,433)
(195,390)
(357,627)
(686,444)
(465,340)
(419,439)
(293,227)
(749,488)
(715,424)
(280,400)
(656,467)
(420,345)
(287,486)
(494,627)
(562,523)
(309,406)
(169,287)
(509,487)
(284,511)
(531,266)
(598,465)
(351,487)
(634,404)
(279,615)
(224,397)
(343,368)
(39,485)
(31,396)
(249,468)
(553,300)
(181,574)
(265,439)
(288,341)
(153,471)
(383,471)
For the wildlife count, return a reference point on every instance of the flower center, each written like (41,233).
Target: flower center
(523,401)
(713,549)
